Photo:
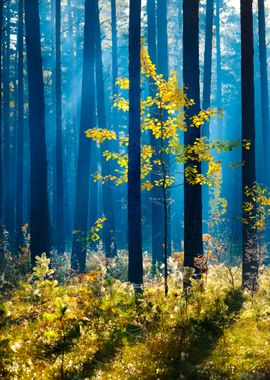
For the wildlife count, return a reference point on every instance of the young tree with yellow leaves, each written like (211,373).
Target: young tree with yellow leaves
(164,125)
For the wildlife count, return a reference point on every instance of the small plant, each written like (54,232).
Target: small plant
(57,319)
(42,277)
(93,236)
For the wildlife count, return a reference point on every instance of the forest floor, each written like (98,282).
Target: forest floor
(93,326)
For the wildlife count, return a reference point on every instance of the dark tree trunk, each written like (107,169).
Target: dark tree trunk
(107,193)
(152,30)
(162,38)
(20,134)
(250,259)
(135,268)
(39,212)
(264,87)
(60,237)
(1,169)
(78,259)
(193,245)
(8,194)
(52,149)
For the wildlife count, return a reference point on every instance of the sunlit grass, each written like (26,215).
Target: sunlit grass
(94,326)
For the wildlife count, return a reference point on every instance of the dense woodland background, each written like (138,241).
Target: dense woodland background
(134,144)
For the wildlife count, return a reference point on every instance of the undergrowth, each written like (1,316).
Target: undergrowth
(60,325)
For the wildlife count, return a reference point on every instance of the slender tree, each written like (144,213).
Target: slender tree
(163,68)
(135,268)
(87,120)
(162,38)
(60,240)
(207,75)
(120,220)
(114,61)
(156,192)
(207,82)
(39,212)
(191,76)
(20,132)
(107,193)
(250,259)
(218,54)
(264,85)
(72,153)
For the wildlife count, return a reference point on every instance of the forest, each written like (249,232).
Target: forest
(134,189)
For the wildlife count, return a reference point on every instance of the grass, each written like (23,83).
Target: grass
(94,326)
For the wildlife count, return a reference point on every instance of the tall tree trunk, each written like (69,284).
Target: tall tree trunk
(163,68)
(250,259)
(156,192)
(87,120)
(39,212)
(207,81)
(264,87)
(1,169)
(60,237)
(107,193)
(114,61)
(7,204)
(120,220)
(152,30)
(193,244)
(207,75)
(162,38)
(72,153)
(218,48)
(135,268)
(20,133)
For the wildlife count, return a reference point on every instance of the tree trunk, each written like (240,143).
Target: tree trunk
(135,268)
(20,134)
(250,259)
(39,212)
(163,68)
(218,47)
(87,120)
(193,244)
(8,195)
(114,62)
(264,86)
(207,75)
(60,237)
(71,154)
(120,220)
(156,192)
(1,169)
(207,81)
(107,193)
